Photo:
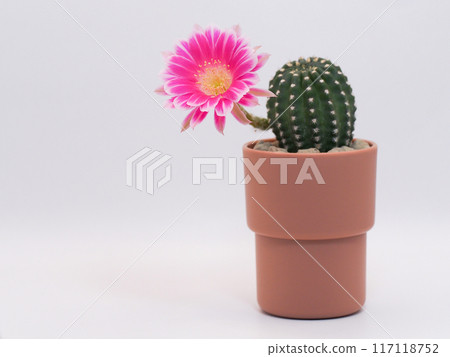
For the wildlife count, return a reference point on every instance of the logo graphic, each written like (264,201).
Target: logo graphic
(142,167)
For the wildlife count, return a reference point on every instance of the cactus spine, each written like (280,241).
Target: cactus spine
(314,107)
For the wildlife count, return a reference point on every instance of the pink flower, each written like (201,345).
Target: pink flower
(213,70)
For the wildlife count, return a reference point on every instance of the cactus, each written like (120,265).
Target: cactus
(314,106)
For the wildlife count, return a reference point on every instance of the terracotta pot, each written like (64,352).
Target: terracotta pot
(310,214)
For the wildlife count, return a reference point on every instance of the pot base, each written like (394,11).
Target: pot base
(328,282)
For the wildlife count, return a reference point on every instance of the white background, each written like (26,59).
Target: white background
(71,116)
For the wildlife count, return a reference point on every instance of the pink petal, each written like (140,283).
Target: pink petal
(183,61)
(228,47)
(237,90)
(237,29)
(181,67)
(249,79)
(224,107)
(198,28)
(241,55)
(244,67)
(239,115)
(197,99)
(198,117)
(182,49)
(175,71)
(261,92)
(218,49)
(219,121)
(249,100)
(262,59)
(210,104)
(167,54)
(180,102)
(160,90)
(179,90)
(177,81)
(241,43)
(203,46)
(186,122)
(169,104)
(195,50)
(212,34)
(179,87)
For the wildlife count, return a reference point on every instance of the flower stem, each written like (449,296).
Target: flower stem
(256,122)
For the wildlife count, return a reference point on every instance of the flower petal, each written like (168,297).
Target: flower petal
(210,104)
(243,54)
(197,99)
(220,43)
(179,87)
(181,67)
(176,81)
(249,79)
(160,90)
(239,115)
(180,102)
(237,90)
(166,55)
(237,29)
(224,107)
(198,28)
(198,117)
(169,104)
(261,92)
(203,45)
(212,35)
(179,90)
(249,100)
(182,49)
(228,47)
(219,121)
(195,50)
(187,121)
(244,67)
(262,59)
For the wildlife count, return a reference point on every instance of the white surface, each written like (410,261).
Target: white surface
(70,117)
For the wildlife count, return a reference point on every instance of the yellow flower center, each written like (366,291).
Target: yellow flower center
(213,77)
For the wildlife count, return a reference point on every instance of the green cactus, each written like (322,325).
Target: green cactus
(314,106)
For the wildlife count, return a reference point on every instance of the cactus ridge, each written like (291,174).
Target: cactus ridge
(314,106)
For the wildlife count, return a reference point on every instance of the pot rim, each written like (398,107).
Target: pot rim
(248,147)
